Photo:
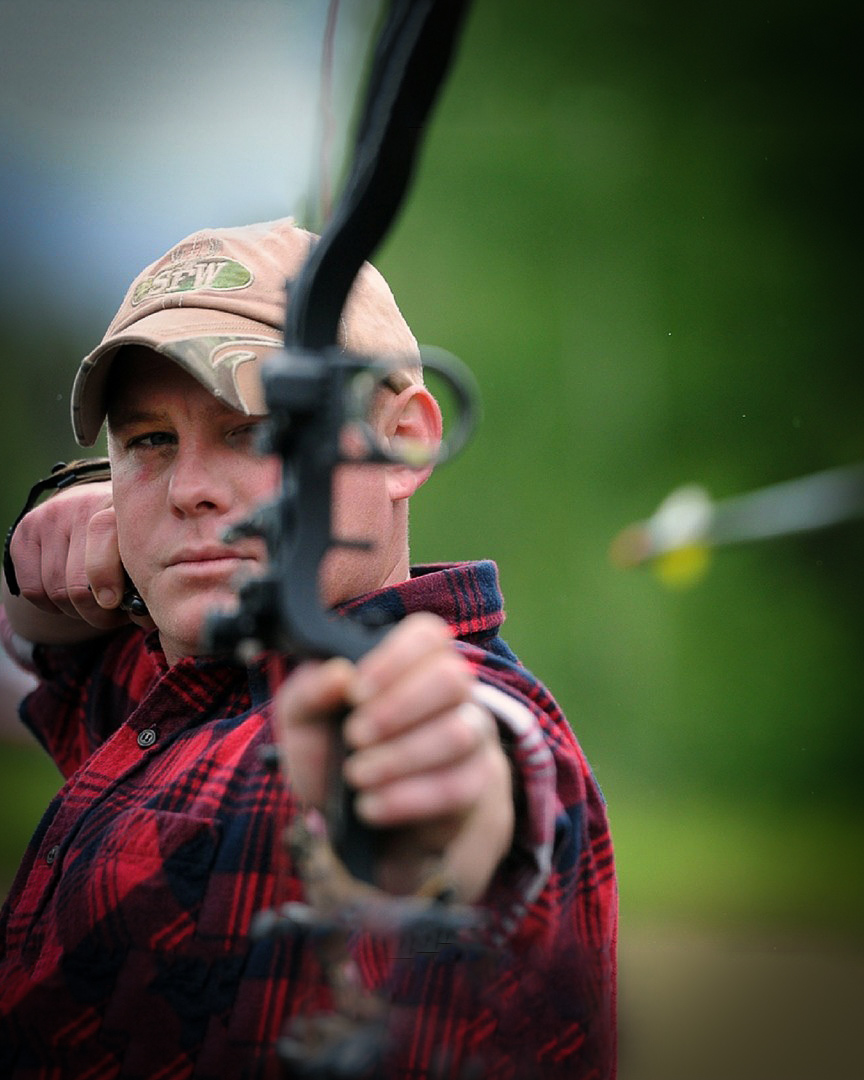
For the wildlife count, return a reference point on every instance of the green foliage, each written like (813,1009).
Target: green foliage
(635,223)
(733,865)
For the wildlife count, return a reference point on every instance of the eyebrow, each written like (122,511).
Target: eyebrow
(120,417)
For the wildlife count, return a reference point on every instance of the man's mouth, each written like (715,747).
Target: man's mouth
(209,558)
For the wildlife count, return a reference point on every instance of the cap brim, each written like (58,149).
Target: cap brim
(220,350)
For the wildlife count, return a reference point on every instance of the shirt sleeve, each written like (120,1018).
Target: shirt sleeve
(551,906)
(85,692)
(562,850)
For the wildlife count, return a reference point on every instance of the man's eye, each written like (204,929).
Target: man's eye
(153,438)
(244,437)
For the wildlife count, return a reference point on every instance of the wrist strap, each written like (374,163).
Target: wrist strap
(63,475)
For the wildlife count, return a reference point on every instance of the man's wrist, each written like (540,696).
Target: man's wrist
(63,475)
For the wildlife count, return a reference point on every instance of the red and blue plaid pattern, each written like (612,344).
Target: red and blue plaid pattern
(125,937)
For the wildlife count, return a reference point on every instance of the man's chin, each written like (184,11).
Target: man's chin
(183,628)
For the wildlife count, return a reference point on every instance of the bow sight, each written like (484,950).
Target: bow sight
(317,401)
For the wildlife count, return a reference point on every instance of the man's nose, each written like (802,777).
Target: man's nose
(200,482)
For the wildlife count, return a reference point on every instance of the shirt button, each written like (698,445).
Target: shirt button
(146,737)
(52,854)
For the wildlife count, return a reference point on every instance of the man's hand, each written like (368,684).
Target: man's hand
(68,568)
(426,760)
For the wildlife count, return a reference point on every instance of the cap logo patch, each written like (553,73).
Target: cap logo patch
(214,273)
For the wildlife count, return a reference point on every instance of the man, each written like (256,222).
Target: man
(127,947)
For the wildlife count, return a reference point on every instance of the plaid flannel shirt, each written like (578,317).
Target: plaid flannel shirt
(125,946)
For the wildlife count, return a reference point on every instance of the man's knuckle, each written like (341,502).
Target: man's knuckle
(102,526)
(430,630)
(463,732)
(58,594)
(455,790)
(33,592)
(454,674)
(79,593)
(24,543)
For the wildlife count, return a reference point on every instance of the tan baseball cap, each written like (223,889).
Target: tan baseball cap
(215,304)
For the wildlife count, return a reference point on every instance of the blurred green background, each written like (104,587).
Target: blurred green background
(640,225)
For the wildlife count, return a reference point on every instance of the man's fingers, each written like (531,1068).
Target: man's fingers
(103,570)
(414,676)
(426,690)
(452,737)
(430,796)
(441,769)
(311,696)
(427,762)
(413,640)
(48,552)
(312,691)
(33,567)
(80,596)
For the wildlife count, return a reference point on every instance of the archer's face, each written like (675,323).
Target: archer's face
(184,468)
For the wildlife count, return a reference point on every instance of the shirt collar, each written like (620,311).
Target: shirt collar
(466,595)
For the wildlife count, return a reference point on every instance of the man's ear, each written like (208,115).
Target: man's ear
(413,421)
